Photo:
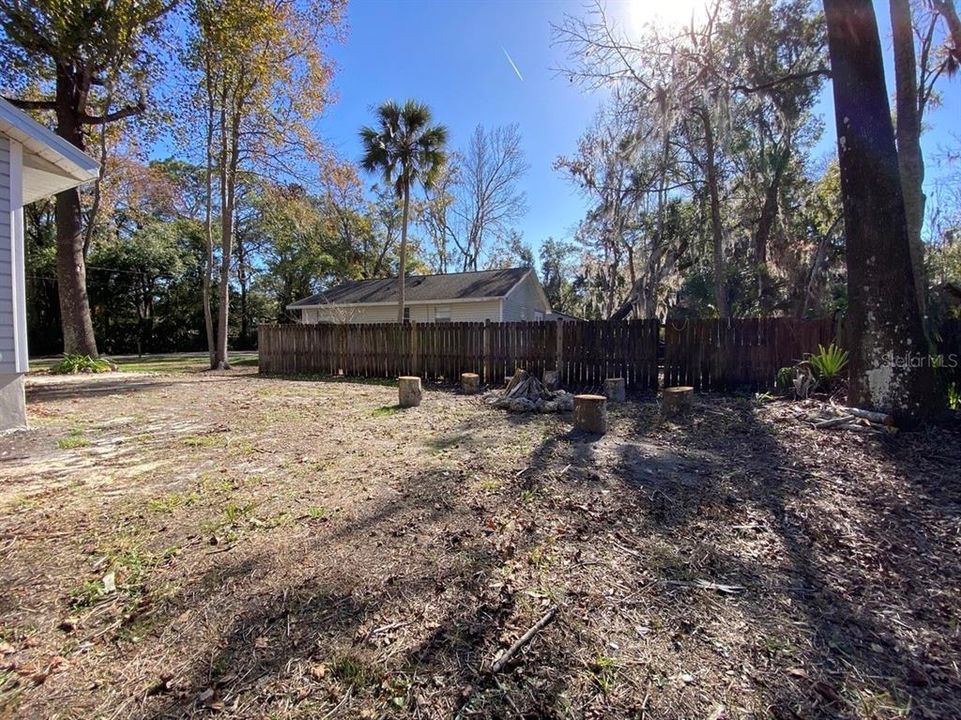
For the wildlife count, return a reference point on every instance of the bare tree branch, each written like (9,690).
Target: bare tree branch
(31,104)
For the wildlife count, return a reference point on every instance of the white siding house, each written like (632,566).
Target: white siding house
(490,295)
(34,163)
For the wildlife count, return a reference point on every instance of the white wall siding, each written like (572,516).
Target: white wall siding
(475,311)
(524,300)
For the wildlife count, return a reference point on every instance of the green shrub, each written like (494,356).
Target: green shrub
(73,364)
(828,363)
(954,397)
(785,378)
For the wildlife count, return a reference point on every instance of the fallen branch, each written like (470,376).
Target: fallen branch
(505,658)
(831,422)
(845,418)
(875,417)
(707,585)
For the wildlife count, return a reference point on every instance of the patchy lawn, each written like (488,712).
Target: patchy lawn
(233,546)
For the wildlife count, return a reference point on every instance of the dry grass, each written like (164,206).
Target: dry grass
(295,549)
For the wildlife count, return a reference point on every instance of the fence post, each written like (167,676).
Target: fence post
(487,351)
(559,347)
(414,350)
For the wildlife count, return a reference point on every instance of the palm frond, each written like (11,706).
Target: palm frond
(405,147)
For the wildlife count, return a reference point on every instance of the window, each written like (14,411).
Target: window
(406,314)
(442,315)
(538,316)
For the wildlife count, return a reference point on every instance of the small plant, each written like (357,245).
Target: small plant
(318,512)
(954,397)
(828,363)
(169,503)
(234,511)
(202,440)
(540,556)
(604,670)
(76,439)
(86,595)
(386,411)
(785,378)
(351,671)
(73,364)
(491,485)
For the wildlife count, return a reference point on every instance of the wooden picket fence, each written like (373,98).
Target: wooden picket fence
(594,350)
(738,354)
(585,353)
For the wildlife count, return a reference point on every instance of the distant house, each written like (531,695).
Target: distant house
(34,163)
(495,295)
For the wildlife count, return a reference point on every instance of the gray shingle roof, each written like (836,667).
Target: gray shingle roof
(420,288)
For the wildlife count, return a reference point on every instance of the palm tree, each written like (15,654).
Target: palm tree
(405,148)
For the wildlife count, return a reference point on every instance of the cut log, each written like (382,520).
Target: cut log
(409,391)
(518,379)
(615,389)
(590,413)
(875,417)
(677,401)
(552,379)
(470,383)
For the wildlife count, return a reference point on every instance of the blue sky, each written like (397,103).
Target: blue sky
(451,56)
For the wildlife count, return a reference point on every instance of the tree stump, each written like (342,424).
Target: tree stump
(677,401)
(615,389)
(552,379)
(470,383)
(590,413)
(409,391)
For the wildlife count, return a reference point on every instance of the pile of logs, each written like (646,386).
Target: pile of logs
(525,393)
(835,417)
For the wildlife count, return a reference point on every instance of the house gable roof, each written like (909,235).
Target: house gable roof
(453,287)
(50,163)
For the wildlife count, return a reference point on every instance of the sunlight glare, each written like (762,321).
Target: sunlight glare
(669,13)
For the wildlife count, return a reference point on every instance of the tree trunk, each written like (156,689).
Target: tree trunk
(228,183)
(910,160)
(889,365)
(223,308)
(817,270)
(401,280)
(242,283)
(75,319)
(208,217)
(717,230)
(766,220)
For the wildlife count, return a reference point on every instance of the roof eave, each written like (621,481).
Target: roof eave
(75,165)
(389,303)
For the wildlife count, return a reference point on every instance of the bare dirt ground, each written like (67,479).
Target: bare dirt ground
(194,545)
